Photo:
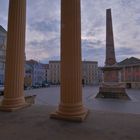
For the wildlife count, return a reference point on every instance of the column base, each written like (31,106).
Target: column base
(79,118)
(75,113)
(12,109)
(13,104)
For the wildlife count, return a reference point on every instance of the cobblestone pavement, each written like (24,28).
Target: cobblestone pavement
(108,119)
(33,123)
(50,96)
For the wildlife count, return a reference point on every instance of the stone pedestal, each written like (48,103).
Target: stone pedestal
(112,87)
(112,90)
(71,107)
(15,57)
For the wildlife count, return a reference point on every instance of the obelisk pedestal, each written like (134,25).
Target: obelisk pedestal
(111,87)
(14,71)
(71,107)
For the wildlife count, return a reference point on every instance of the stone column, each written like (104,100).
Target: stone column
(14,71)
(71,106)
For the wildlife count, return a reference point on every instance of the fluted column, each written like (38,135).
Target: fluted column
(14,71)
(71,106)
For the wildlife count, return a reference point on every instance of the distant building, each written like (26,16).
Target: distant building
(130,73)
(28,78)
(38,72)
(3,39)
(47,73)
(54,72)
(89,72)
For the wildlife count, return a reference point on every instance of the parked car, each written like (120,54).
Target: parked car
(27,87)
(45,85)
(37,85)
(1,90)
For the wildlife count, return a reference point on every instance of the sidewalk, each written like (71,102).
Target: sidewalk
(33,123)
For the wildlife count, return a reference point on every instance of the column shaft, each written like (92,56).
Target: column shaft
(71,52)
(14,71)
(71,107)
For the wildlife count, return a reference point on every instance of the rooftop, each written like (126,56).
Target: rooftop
(2,29)
(54,61)
(58,61)
(129,61)
(89,61)
(31,61)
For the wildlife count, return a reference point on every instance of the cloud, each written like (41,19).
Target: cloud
(43,28)
(3,13)
(123,53)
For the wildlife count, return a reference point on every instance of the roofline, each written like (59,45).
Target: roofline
(130,65)
(58,61)
(2,29)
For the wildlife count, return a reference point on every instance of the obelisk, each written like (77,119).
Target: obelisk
(111,87)
(71,105)
(110,51)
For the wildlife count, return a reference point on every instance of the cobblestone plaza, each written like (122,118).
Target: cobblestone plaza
(50,96)
(109,119)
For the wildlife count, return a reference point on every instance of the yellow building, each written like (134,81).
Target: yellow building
(54,72)
(89,72)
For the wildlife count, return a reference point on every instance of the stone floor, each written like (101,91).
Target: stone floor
(33,123)
(108,119)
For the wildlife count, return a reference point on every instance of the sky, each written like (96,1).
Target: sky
(43,28)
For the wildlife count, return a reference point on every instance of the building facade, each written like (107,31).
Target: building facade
(89,72)
(28,78)
(47,73)
(3,39)
(54,72)
(130,73)
(38,72)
